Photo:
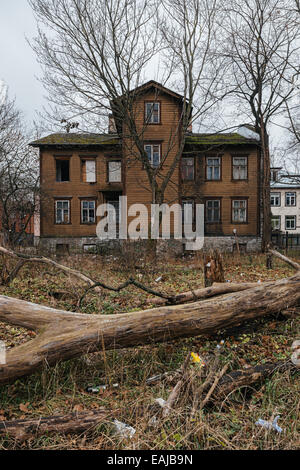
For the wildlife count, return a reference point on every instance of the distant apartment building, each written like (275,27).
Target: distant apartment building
(285,202)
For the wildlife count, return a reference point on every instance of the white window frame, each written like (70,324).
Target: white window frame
(151,146)
(289,196)
(276,218)
(114,175)
(295,222)
(150,117)
(274,197)
(213,168)
(90,220)
(238,219)
(240,168)
(62,201)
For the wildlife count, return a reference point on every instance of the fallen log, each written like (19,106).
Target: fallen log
(72,423)
(205,293)
(243,378)
(64,335)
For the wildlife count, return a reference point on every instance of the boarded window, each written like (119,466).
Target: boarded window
(62,170)
(239,211)
(213,213)
(240,168)
(88,212)
(89,171)
(62,212)
(188,169)
(114,172)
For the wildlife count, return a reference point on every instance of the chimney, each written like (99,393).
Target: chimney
(111,125)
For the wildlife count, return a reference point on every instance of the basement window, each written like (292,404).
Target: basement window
(62,170)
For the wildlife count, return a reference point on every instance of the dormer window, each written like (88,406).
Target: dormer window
(152,112)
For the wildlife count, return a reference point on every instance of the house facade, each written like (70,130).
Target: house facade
(81,171)
(285,204)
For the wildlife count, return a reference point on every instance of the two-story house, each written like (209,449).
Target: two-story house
(80,171)
(285,202)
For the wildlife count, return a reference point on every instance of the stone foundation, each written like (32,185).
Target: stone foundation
(164,247)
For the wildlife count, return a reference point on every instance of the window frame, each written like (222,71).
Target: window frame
(285,197)
(146,121)
(189,200)
(236,198)
(213,199)
(285,221)
(60,158)
(207,166)
(194,168)
(57,200)
(84,159)
(271,195)
(83,200)
(278,217)
(246,166)
(108,171)
(152,144)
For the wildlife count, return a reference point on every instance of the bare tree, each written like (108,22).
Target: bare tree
(19,176)
(262,49)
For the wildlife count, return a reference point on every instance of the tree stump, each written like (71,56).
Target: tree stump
(213,268)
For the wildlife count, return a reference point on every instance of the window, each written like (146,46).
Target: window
(239,211)
(188,212)
(114,172)
(88,171)
(188,169)
(62,170)
(275,199)
(290,199)
(290,222)
(114,214)
(153,152)
(88,212)
(276,222)
(213,168)
(239,168)
(152,113)
(62,212)
(213,212)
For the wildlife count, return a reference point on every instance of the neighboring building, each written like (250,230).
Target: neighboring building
(285,202)
(81,171)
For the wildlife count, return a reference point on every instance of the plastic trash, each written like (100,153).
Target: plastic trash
(162,403)
(123,430)
(270,424)
(158,279)
(99,388)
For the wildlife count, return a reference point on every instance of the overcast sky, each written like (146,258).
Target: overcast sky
(18,65)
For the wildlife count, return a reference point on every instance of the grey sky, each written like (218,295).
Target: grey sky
(18,65)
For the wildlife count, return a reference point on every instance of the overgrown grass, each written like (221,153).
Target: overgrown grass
(229,424)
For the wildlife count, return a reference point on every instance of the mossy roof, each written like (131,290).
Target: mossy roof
(74,139)
(218,139)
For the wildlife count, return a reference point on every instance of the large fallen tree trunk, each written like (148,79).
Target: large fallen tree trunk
(73,423)
(64,335)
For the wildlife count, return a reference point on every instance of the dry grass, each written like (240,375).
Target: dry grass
(220,425)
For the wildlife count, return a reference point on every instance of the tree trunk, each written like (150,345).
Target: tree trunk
(72,423)
(64,335)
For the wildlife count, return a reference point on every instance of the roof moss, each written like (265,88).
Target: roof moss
(218,139)
(77,140)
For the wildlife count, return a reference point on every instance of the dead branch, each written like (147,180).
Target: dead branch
(176,390)
(205,292)
(64,335)
(71,423)
(285,259)
(214,385)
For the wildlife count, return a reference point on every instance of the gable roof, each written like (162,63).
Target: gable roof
(153,84)
(76,140)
